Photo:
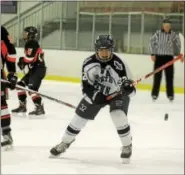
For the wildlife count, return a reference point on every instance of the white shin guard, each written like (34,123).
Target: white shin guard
(120,121)
(75,126)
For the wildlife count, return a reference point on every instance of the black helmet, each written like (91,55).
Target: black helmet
(104,42)
(32,32)
(167,20)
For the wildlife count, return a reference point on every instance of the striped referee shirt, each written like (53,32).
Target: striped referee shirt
(162,43)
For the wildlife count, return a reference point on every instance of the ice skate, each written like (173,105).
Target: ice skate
(7,143)
(59,149)
(38,111)
(21,108)
(126,153)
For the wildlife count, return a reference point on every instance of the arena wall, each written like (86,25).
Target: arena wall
(66,66)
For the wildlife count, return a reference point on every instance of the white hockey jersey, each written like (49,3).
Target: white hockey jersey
(103,77)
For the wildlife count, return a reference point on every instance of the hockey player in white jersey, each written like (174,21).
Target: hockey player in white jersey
(103,74)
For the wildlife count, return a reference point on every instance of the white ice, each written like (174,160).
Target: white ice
(158,145)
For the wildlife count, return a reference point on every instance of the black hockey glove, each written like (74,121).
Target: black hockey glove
(127,87)
(21,64)
(12,78)
(98,98)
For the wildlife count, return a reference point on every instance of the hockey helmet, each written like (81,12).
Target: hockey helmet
(104,42)
(167,20)
(31,31)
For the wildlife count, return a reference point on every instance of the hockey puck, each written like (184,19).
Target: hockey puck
(166,117)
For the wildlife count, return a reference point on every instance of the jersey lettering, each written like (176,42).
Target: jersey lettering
(118,65)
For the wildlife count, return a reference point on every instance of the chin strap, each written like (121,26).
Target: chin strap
(103,61)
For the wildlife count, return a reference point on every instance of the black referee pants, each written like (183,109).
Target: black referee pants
(169,75)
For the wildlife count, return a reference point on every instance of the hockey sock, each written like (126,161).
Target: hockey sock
(22,96)
(73,129)
(120,121)
(21,93)
(36,98)
(5,118)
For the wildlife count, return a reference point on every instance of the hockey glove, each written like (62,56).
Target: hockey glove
(127,87)
(98,98)
(21,64)
(12,78)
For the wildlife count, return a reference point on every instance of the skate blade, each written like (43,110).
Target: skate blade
(125,160)
(7,148)
(37,116)
(53,156)
(20,114)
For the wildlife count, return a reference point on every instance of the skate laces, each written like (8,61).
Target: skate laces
(61,147)
(126,149)
(22,104)
(37,107)
(7,138)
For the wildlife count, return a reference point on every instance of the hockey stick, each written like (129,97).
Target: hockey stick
(43,95)
(150,74)
(109,97)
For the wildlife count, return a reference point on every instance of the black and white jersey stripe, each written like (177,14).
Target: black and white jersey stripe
(162,43)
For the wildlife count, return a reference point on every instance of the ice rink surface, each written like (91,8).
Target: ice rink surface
(158,145)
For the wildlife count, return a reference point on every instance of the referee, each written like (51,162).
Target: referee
(164,45)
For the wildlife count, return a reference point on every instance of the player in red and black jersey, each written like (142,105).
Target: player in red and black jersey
(8,58)
(34,59)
